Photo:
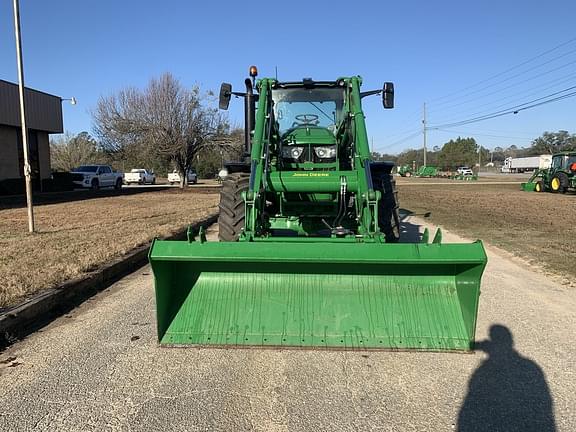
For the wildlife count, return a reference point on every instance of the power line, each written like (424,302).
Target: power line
(516,76)
(556,83)
(394,144)
(413,119)
(542,54)
(540,90)
(566,96)
(512,110)
(403,132)
(529,102)
(485,95)
(481,134)
(506,131)
(507,111)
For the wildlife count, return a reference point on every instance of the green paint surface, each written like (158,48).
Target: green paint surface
(331,295)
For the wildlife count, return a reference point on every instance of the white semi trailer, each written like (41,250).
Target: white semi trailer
(520,165)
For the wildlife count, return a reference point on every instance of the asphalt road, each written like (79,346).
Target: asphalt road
(100,368)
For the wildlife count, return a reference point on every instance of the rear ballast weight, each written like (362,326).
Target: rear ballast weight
(308,255)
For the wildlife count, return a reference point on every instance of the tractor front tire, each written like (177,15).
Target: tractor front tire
(232,210)
(388,217)
(539,186)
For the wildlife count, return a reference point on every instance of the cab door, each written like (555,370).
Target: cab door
(106,177)
(556,163)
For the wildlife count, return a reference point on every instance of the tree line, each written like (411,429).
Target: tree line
(464,151)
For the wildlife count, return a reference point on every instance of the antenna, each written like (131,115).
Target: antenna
(276,72)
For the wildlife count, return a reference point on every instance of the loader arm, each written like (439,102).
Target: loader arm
(368,198)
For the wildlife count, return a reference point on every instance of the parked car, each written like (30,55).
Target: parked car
(464,171)
(140,176)
(174,177)
(222,174)
(96,177)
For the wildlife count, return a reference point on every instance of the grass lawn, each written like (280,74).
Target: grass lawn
(77,236)
(538,226)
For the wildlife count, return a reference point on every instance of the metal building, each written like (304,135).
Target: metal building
(44,117)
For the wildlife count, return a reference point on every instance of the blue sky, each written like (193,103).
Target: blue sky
(434,51)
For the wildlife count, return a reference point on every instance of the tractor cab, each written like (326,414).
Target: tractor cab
(564,162)
(308,115)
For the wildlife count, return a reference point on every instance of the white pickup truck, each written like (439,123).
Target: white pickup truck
(174,177)
(96,177)
(464,170)
(139,176)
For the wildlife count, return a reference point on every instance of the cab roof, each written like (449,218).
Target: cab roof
(309,83)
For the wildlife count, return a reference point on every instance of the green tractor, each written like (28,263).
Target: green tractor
(559,178)
(427,171)
(405,171)
(423,171)
(309,252)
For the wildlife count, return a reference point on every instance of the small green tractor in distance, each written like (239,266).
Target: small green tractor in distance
(310,252)
(559,178)
(423,171)
(427,171)
(405,171)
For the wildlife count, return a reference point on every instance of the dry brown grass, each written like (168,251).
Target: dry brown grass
(538,226)
(76,237)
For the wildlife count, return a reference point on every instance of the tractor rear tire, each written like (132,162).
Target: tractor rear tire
(232,210)
(388,217)
(559,182)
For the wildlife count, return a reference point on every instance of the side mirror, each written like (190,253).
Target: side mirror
(225,95)
(388,95)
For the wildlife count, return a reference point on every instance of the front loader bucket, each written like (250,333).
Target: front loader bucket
(322,295)
(528,187)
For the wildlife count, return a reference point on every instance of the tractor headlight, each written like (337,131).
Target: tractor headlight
(292,152)
(325,152)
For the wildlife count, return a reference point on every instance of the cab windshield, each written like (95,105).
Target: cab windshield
(299,107)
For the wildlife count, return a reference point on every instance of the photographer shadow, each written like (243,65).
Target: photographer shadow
(508,392)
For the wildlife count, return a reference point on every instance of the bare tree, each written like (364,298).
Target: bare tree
(165,119)
(69,151)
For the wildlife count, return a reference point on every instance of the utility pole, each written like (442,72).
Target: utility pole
(27,168)
(479,158)
(424,131)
